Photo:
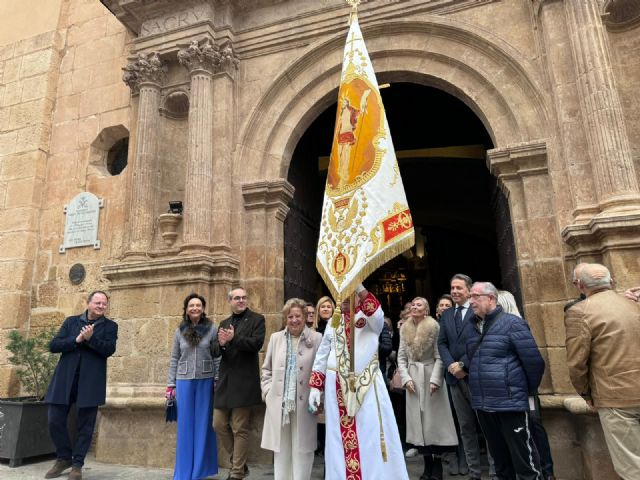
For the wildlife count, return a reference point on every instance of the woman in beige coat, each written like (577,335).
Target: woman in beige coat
(430,424)
(289,429)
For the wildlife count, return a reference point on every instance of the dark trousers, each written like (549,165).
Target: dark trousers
(59,432)
(511,444)
(542,443)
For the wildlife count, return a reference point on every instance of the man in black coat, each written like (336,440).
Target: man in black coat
(85,341)
(240,338)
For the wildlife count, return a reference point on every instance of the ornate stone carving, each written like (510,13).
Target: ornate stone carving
(145,68)
(209,56)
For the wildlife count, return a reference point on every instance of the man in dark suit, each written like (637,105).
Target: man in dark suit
(85,341)
(455,328)
(240,338)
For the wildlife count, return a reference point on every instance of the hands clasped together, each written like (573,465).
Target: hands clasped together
(85,334)
(225,335)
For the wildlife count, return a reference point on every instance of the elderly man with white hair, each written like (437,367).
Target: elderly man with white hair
(505,369)
(603,334)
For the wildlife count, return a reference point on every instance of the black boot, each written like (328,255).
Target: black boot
(428,467)
(436,472)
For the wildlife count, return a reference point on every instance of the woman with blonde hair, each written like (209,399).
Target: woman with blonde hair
(430,424)
(289,429)
(324,312)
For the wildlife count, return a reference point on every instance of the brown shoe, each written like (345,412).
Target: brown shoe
(60,466)
(75,473)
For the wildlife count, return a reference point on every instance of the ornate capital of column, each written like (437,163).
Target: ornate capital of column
(145,68)
(208,56)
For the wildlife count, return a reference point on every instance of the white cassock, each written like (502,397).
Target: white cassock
(353,450)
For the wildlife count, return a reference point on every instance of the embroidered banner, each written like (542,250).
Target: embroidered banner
(365,216)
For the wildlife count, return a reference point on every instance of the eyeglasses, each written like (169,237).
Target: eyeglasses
(237,299)
(476,295)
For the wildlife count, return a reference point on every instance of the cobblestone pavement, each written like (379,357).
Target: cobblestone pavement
(35,468)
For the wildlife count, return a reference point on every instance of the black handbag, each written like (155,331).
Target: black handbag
(170,410)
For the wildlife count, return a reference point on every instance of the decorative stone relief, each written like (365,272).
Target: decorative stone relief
(208,55)
(145,68)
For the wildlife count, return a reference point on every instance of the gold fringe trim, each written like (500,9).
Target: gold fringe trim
(398,247)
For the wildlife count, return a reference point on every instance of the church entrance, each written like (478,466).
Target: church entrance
(461,217)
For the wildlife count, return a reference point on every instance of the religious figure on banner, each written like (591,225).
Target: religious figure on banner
(348,123)
(355,155)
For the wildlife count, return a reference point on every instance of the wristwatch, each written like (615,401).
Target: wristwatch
(461,364)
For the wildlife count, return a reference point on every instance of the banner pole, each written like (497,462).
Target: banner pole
(352,343)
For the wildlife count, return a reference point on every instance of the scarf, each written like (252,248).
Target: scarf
(290,376)
(194,333)
(420,337)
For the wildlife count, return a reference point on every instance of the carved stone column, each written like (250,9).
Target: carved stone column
(608,144)
(201,59)
(144,75)
(223,145)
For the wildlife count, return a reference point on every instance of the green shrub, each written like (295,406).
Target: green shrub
(36,364)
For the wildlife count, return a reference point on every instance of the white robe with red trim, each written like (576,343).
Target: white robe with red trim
(353,449)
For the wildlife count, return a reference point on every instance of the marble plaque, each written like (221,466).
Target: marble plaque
(81,225)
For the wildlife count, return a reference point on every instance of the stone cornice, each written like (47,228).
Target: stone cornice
(179,270)
(604,232)
(518,160)
(144,68)
(268,195)
(288,32)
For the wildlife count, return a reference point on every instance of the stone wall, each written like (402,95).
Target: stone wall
(29,71)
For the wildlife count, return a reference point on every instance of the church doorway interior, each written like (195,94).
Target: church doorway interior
(461,217)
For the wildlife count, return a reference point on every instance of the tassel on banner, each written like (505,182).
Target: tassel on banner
(335,319)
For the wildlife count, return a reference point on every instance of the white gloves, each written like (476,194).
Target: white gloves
(315,398)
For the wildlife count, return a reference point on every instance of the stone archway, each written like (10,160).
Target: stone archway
(496,82)
(486,73)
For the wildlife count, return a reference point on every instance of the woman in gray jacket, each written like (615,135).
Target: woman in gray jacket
(191,382)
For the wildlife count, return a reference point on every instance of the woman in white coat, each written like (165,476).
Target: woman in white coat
(289,429)
(430,424)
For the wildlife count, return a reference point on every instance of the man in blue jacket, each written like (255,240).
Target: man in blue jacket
(455,328)
(85,341)
(505,369)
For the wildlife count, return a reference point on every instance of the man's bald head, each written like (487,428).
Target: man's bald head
(594,276)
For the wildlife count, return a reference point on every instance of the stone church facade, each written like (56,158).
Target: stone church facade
(216,95)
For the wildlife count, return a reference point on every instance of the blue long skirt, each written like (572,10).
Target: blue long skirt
(196,449)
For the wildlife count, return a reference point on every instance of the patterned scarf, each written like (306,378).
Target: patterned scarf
(289,397)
